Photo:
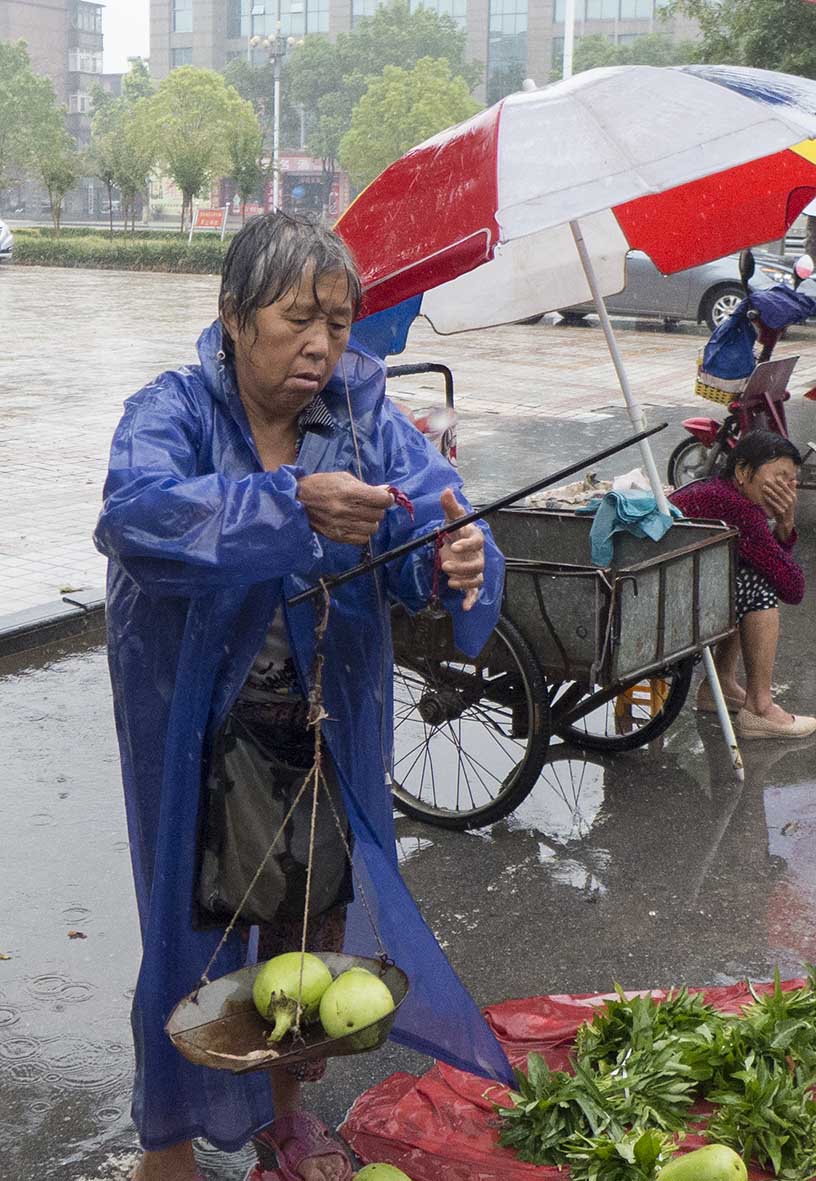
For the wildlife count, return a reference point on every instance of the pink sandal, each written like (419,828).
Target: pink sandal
(298,1137)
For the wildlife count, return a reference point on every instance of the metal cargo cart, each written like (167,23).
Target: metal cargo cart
(601,657)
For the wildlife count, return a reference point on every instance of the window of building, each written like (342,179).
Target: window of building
(182,16)
(506,48)
(317,16)
(258,18)
(234,12)
(181,57)
(606,10)
(453,8)
(79,104)
(363,8)
(637,9)
(84,61)
(87,17)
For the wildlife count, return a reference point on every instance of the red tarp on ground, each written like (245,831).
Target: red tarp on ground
(442,1126)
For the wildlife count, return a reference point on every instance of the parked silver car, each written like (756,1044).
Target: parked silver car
(707,293)
(6,242)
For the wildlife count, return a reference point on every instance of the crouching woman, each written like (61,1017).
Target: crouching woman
(757,483)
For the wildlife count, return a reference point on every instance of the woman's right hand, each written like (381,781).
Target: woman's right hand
(343,508)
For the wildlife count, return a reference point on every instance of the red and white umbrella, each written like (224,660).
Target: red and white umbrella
(686,164)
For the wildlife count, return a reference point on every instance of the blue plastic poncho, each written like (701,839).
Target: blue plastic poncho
(203,546)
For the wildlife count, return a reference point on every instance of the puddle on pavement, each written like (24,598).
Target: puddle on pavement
(651,868)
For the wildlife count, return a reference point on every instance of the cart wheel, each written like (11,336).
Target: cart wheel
(470,736)
(624,717)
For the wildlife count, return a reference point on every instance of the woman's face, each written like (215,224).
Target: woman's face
(290,352)
(754,484)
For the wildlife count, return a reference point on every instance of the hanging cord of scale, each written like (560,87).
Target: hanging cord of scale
(315,778)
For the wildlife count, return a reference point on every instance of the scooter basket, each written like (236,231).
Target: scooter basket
(717,389)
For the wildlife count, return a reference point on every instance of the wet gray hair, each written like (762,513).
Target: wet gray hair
(270,255)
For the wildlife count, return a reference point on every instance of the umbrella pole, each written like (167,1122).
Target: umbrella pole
(635,412)
(639,423)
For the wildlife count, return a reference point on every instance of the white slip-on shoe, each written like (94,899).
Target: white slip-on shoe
(749,725)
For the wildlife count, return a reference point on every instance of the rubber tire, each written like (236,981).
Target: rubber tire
(526,773)
(675,701)
(573,317)
(708,304)
(677,455)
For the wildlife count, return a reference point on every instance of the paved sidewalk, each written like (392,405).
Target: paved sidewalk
(77,343)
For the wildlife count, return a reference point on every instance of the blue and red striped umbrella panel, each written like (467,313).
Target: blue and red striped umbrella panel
(687,164)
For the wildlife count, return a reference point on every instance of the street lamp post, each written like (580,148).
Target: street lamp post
(276,48)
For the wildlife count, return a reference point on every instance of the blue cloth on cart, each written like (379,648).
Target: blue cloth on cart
(633,511)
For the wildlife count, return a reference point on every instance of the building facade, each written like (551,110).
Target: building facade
(512,39)
(64,42)
(64,39)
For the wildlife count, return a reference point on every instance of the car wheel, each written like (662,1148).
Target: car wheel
(532,319)
(719,304)
(572,317)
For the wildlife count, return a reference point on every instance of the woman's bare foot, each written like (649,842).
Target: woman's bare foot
(733,693)
(170,1164)
(773,713)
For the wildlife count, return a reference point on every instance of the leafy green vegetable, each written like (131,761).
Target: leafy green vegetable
(550,1107)
(640,1065)
(781,1026)
(640,1021)
(635,1156)
(766,1112)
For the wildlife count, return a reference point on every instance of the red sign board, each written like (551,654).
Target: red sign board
(209,219)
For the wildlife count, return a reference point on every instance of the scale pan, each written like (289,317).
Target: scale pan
(220,1027)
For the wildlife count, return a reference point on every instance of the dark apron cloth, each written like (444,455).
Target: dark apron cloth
(260,759)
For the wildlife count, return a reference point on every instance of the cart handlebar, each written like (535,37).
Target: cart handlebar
(371,563)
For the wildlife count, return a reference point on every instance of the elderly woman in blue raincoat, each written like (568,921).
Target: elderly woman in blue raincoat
(233,485)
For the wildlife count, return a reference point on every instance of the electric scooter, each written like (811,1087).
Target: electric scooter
(754,388)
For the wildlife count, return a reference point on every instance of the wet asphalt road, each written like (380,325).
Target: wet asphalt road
(652,868)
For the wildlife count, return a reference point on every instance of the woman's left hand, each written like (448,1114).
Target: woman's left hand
(462,557)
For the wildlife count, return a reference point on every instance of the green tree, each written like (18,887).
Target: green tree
(329,79)
(399,110)
(769,34)
(137,157)
(57,163)
(137,82)
(654,49)
(103,150)
(256,84)
(27,104)
(246,157)
(122,151)
(191,117)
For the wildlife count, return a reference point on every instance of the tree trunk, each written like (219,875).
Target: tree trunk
(109,187)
